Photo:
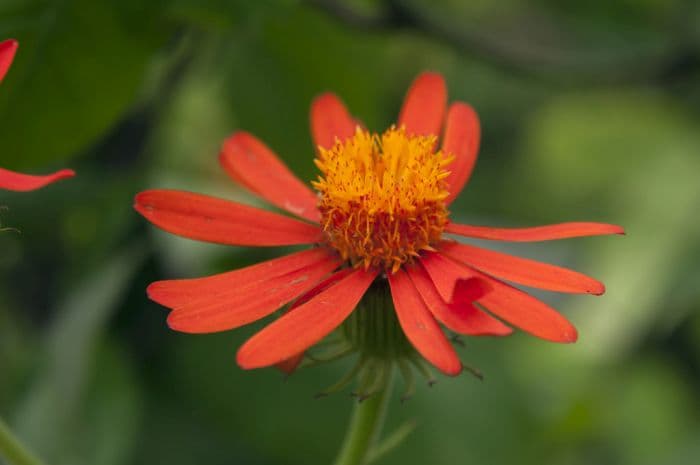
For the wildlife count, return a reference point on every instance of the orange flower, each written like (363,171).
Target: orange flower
(379,215)
(11,180)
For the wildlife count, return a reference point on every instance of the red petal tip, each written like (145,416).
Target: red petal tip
(330,121)
(62,174)
(152,290)
(176,325)
(434,78)
(570,337)
(8,48)
(424,105)
(598,290)
(20,182)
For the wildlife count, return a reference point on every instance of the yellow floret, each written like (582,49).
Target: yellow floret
(382,196)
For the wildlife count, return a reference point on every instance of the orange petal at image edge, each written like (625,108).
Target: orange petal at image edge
(20,182)
(8,48)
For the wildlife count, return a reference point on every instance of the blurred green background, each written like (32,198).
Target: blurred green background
(590,111)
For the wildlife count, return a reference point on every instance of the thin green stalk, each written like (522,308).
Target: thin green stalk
(365,425)
(12,450)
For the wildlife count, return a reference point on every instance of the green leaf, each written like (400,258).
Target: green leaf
(50,416)
(78,69)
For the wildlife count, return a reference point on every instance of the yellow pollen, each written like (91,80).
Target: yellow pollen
(383,197)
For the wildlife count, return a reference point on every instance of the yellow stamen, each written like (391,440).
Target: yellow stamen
(382,197)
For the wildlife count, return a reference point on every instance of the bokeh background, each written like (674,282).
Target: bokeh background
(590,111)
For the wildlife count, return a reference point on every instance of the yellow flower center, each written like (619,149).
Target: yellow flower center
(383,197)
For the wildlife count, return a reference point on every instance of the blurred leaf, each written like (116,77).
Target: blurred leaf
(50,416)
(530,38)
(222,15)
(630,158)
(644,413)
(112,410)
(78,68)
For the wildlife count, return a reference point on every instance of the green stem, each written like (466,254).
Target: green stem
(365,426)
(12,450)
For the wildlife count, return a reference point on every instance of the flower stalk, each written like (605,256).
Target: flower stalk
(365,425)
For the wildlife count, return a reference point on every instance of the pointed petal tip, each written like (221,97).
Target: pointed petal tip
(64,174)
(568,335)
(59,175)
(537,233)
(504,331)
(21,182)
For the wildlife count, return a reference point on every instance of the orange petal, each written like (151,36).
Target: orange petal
(8,48)
(19,182)
(221,221)
(289,365)
(522,271)
(250,162)
(234,307)
(526,312)
(462,136)
(461,317)
(420,327)
(424,106)
(179,292)
(535,234)
(330,120)
(451,279)
(306,325)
